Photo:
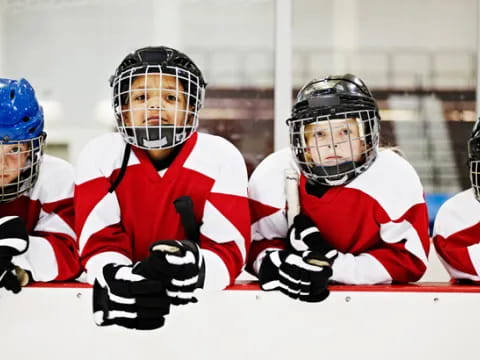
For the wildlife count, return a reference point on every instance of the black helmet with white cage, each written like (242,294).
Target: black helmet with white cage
(474,159)
(334,129)
(161,62)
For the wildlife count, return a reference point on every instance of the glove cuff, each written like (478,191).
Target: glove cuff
(269,269)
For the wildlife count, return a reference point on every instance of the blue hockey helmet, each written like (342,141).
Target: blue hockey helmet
(21,117)
(21,132)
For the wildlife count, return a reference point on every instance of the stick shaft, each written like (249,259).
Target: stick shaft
(291,195)
(22,276)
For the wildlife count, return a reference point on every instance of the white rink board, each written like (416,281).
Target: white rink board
(56,323)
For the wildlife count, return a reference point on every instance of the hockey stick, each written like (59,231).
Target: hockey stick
(293,205)
(291,195)
(22,276)
(184,207)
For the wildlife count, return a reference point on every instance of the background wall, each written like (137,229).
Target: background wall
(419,57)
(69,48)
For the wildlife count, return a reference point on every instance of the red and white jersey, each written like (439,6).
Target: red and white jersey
(378,222)
(47,210)
(119,227)
(456,235)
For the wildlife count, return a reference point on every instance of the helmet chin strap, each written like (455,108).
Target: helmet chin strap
(336,175)
(156,138)
(338,182)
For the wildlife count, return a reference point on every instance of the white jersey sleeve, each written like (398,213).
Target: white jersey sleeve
(266,192)
(52,253)
(456,236)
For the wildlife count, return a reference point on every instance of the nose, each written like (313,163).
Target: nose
(332,145)
(5,164)
(154,102)
(3,157)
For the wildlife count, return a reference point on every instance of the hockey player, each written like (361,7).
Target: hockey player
(161,208)
(457,227)
(363,218)
(37,240)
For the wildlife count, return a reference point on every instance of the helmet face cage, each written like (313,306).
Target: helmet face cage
(157,107)
(19,166)
(333,149)
(21,138)
(474,164)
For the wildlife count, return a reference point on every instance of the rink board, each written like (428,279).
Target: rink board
(426,321)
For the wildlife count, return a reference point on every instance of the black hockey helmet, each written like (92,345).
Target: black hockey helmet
(158,60)
(474,158)
(334,98)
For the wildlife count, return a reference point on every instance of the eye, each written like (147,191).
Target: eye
(15,150)
(319,133)
(171,97)
(345,131)
(139,98)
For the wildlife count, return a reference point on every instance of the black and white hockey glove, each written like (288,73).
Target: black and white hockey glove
(122,297)
(179,265)
(13,241)
(300,276)
(303,235)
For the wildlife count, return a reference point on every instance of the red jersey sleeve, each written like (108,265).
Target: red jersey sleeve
(225,231)
(97,211)
(52,253)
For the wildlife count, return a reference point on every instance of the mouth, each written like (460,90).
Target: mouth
(334,157)
(153,121)
(5,180)
(334,160)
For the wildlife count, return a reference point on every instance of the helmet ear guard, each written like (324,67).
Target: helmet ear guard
(21,125)
(326,102)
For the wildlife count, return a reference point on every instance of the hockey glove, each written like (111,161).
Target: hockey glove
(13,241)
(179,265)
(300,276)
(122,297)
(303,235)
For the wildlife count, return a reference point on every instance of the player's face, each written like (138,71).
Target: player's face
(155,100)
(13,158)
(333,142)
